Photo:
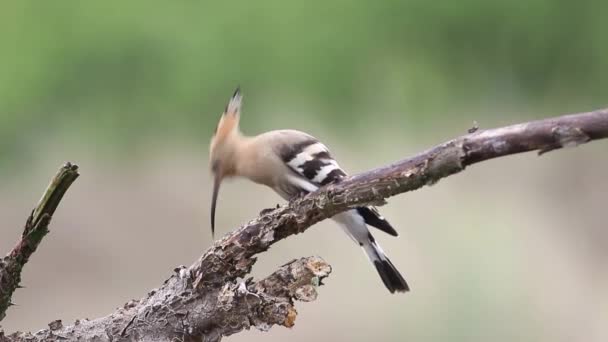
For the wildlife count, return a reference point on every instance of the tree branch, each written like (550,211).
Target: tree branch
(36,227)
(207,301)
(177,312)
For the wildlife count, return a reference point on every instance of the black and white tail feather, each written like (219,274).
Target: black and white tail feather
(313,167)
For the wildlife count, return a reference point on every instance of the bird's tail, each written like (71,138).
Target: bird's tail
(391,277)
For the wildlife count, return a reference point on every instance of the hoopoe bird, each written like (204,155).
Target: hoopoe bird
(293,163)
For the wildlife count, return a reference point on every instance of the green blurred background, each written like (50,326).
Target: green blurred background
(131,91)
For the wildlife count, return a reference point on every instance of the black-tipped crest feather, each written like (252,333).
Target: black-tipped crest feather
(234,105)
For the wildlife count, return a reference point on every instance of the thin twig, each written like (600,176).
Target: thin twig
(36,227)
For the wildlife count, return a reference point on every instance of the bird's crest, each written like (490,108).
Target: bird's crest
(230,118)
(234,105)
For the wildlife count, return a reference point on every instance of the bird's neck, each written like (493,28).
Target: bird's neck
(240,143)
(240,151)
(246,156)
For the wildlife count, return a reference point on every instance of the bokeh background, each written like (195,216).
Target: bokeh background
(511,249)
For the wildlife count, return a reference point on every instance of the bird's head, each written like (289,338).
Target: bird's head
(223,146)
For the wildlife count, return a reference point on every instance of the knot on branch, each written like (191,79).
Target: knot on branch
(565,136)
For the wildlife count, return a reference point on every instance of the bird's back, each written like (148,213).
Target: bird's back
(283,140)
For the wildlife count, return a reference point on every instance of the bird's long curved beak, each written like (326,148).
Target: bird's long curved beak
(217,180)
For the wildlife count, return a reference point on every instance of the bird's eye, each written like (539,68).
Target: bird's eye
(215,166)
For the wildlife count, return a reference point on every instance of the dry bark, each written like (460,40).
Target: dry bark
(207,301)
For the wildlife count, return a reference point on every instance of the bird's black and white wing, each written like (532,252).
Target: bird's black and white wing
(311,160)
(313,167)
